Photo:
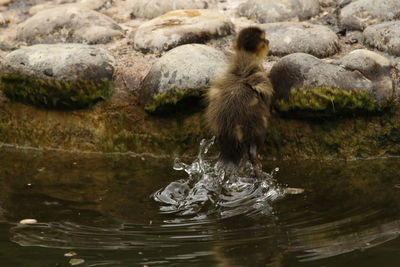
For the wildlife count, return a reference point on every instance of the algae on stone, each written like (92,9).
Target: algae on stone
(172,101)
(326,101)
(55,94)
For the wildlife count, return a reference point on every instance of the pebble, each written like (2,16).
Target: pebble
(75,262)
(28,221)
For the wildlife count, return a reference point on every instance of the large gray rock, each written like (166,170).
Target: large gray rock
(265,11)
(181,27)
(58,75)
(291,37)
(153,8)
(374,67)
(358,82)
(361,13)
(90,4)
(68,24)
(384,36)
(182,72)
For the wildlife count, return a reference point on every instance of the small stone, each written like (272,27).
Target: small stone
(264,11)
(181,27)
(70,254)
(28,221)
(293,191)
(75,262)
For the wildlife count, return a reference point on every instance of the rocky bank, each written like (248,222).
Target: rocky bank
(128,76)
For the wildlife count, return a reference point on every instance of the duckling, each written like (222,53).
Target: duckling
(238,103)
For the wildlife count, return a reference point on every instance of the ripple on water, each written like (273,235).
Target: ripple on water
(216,214)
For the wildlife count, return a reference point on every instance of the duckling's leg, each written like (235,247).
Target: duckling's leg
(255,161)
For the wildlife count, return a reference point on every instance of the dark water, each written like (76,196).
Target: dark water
(121,210)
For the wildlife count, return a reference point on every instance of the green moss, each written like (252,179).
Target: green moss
(173,101)
(55,94)
(326,101)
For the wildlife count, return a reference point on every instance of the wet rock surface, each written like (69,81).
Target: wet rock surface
(153,8)
(181,27)
(58,76)
(384,36)
(69,24)
(182,72)
(292,37)
(265,11)
(359,14)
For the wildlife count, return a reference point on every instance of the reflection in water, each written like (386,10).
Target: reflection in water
(99,207)
(334,238)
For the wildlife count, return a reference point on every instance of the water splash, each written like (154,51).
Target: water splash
(214,191)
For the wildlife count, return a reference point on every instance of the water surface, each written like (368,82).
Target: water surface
(135,210)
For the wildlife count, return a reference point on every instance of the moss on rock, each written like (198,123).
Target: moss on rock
(326,101)
(55,94)
(174,101)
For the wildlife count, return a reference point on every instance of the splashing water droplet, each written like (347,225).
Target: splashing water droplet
(214,191)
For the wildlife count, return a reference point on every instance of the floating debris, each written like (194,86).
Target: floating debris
(28,221)
(70,254)
(293,191)
(75,262)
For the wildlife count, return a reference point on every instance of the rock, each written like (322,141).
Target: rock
(90,4)
(28,221)
(265,11)
(361,13)
(153,8)
(4,2)
(75,262)
(70,24)
(65,76)
(47,5)
(357,83)
(291,37)
(384,36)
(70,254)
(327,3)
(2,20)
(181,73)
(181,27)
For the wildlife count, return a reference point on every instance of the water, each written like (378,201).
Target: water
(127,210)
(211,192)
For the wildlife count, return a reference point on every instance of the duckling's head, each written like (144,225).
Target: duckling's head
(252,40)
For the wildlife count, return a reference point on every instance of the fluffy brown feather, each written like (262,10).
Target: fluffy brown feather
(239,102)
